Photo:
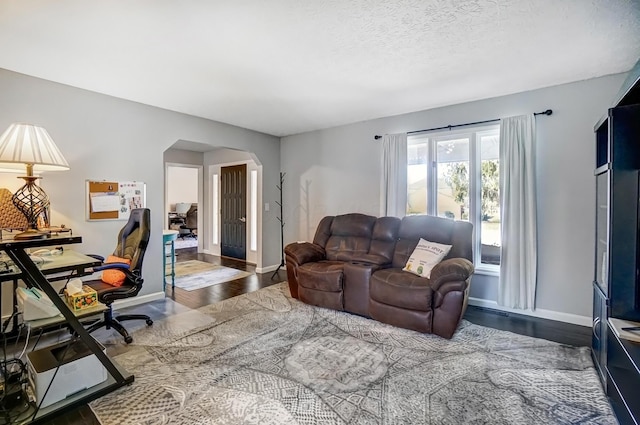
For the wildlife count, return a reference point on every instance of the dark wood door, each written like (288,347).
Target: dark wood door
(233,184)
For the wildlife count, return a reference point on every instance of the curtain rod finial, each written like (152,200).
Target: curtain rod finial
(377,137)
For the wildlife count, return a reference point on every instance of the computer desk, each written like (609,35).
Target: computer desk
(64,266)
(33,276)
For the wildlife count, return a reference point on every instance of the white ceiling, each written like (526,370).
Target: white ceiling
(289,66)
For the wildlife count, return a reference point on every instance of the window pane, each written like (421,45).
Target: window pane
(417,189)
(253,239)
(215,207)
(453,179)
(490,198)
(417,178)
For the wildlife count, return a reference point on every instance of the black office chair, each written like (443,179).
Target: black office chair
(190,224)
(132,244)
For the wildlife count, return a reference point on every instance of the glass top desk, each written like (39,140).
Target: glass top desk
(66,265)
(69,264)
(33,276)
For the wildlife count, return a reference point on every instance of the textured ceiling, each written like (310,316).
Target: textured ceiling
(289,66)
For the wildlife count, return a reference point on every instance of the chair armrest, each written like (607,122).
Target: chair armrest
(451,270)
(377,260)
(304,252)
(120,266)
(124,268)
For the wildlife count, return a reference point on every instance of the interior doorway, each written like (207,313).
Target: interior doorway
(233,214)
(183,190)
(212,159)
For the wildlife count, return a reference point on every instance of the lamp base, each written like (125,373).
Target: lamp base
(31,234)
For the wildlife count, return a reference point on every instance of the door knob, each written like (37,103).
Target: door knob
(243,219)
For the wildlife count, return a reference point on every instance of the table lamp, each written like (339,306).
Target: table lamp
(26,145)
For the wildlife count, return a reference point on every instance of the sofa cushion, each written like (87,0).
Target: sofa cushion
(321,276)
(350,236)
(401,289)
(383,238)
(425,257)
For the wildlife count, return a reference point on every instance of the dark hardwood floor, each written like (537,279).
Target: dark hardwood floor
(540,328)
(213,294)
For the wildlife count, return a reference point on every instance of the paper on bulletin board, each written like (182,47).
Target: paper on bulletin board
(105,201)
(132,196)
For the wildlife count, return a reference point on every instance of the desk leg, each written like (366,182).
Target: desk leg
(173,264)
(34,277)
(164,266)
(15,307)
(15,322)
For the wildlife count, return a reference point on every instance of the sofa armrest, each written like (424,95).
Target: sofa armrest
(304,252)
(450,282)
(451,270)
(373,259)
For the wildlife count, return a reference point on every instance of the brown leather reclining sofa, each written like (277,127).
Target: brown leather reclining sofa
(355,264)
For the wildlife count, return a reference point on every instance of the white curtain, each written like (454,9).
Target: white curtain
(518,261)
(393,182)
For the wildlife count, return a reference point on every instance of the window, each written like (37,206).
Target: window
(254,211)
(215,207)
(456,175)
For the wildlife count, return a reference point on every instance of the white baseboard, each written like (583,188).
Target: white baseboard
(540,313)
(140,299)
(269,268)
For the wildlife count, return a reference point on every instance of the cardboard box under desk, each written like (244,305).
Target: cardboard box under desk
(81,300)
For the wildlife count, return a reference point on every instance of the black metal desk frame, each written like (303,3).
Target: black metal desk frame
(33,277)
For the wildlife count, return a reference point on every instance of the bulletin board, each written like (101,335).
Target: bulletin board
(114,200)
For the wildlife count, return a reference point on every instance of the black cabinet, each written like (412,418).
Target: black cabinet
(623,377)
(617,191)
(599,332)
(616,282)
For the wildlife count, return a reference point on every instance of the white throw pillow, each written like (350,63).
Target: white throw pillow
(425,257)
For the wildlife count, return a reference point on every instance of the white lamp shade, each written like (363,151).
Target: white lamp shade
(24,144)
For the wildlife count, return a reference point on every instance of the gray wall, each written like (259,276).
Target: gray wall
(181,156)
(337,170)
(103,137)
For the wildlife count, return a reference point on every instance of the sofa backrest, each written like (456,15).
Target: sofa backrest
(323,231)
(345,236)
(458,234)
(384,237)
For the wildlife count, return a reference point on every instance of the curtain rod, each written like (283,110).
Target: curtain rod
(547,112)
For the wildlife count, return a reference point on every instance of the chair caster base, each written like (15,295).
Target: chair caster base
(128,339)
(149,322)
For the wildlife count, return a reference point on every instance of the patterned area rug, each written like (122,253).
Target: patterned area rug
(181,243)
(265,358)
(194,274)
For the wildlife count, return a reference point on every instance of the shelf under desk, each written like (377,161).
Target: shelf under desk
(46,414)
(33,276)
(67,265)
(55,320)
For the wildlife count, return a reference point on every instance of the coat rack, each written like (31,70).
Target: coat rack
(281,220)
